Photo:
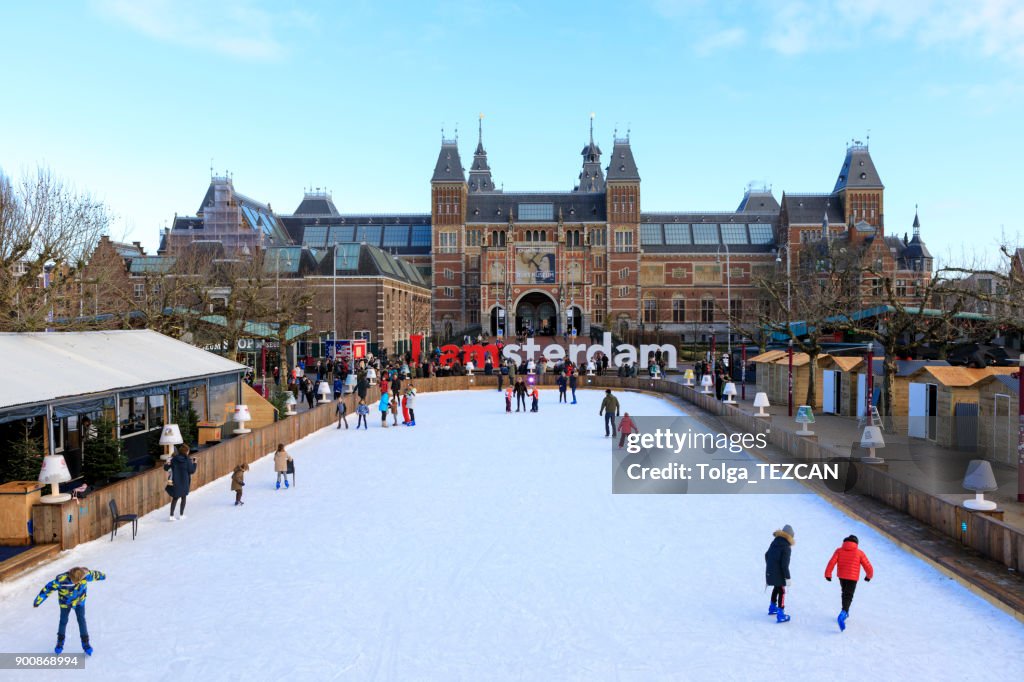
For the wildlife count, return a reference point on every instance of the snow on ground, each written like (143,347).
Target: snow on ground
(485,546)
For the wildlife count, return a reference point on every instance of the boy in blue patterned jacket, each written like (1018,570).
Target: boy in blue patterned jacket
(71,590)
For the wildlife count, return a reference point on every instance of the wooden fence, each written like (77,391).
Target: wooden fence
(75,522)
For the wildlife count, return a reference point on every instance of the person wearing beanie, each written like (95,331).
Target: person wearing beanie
(849,558)
(776,571)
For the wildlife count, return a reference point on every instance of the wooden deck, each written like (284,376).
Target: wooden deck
(30,558)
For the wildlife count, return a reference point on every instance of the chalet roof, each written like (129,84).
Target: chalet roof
(768,356)
(960,377)
(79,363)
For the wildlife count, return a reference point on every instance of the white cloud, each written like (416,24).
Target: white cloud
(720,40)
(236,28)
(992,28)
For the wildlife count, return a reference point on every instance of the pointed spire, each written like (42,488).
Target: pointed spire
(592,177)
(480,172)
(917,223)
(825,232)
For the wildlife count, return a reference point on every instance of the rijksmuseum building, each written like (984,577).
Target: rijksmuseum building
(506,262)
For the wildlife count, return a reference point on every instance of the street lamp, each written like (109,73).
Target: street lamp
(1020,428)
(728,296)
(790,352)
(789,279)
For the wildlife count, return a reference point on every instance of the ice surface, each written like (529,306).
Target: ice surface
(484,546)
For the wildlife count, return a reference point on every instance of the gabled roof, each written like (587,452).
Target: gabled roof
(768,356)
(811,209)
(858,171)
(1007,382)
(621,165)
(762,201)
(449,166)
(575,207)
(960,377)
(846,363)
(80,363)
(317,204)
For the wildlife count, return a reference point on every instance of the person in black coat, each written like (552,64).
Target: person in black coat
(562,385)
(181,467)
(519,391)
(776,570)
(572,386)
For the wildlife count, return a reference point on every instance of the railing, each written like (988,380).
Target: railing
(74,522)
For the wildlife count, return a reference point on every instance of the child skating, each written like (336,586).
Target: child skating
(776,571)
(536,400)
(508,400)
(71,588)
(410,404)
(849,559)
(341,409)
(362,410)
(281,459)
(238,482)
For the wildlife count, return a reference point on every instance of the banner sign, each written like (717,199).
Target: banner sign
(359,350)
(617,355)
(343,350)
(535,265)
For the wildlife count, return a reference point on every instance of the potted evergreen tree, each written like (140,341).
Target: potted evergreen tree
(102,457)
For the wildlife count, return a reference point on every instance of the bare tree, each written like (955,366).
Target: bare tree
(47,229)
(805,309)
(926,317)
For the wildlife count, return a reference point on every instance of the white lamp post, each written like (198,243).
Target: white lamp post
(729,391)
(804,416)
(54,471)
(980,479)
(872,439)
(289,404)
(169,437)
(728,296)
(761,402)
(240,417)
(325,393)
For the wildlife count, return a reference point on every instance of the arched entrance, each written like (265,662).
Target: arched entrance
(536,312)
(498,321)
(573,320)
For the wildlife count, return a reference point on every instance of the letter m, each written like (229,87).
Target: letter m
(478,353)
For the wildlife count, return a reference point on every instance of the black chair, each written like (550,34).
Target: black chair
(122,518)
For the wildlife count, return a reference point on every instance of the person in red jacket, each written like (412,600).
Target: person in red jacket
(626,427)
(849,559)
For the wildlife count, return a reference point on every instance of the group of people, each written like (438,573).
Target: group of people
(519,390)
(720,370)
(849,558)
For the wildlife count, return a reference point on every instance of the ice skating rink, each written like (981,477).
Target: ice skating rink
(485,546)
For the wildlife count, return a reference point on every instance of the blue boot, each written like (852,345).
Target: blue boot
(781,616)
(843,615)
(60,646)
(278,486)
(772,609)
(286,483)
(86,647)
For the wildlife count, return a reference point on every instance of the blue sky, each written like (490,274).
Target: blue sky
(132,99)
